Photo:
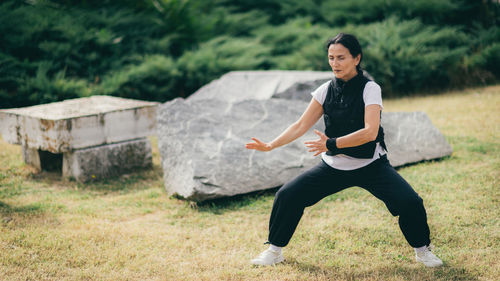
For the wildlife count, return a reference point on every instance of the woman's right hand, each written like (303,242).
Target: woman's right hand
(258,145)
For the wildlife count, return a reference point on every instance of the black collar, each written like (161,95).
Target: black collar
(341,83)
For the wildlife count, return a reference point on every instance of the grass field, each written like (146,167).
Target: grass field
(129,229)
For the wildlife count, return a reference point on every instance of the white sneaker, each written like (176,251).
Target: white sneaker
(268,257)
(428,258)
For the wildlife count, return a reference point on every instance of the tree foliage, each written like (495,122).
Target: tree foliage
(162,49)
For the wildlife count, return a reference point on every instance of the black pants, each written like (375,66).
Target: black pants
(379,178)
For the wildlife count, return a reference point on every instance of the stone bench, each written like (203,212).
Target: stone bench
(88,138)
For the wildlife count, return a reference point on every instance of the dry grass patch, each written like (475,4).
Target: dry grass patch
(127,228)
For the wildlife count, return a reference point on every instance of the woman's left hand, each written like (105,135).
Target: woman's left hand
(318,146)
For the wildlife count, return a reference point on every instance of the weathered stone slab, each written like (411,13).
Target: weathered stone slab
(202,145)
(259,85)
(107,160)
(77,123)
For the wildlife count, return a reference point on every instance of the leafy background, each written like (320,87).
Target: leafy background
(162,49)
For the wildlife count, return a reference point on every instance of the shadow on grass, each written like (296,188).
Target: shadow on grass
(138,180)
(221,205)
(445,272)
(6,209)
(444,158)
(30,211)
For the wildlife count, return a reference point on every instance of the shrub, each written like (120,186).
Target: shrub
(12,74)
(161,49)
(218,56)
(42,89)
(482,61)
(297,44)
(155,78)
(408,56)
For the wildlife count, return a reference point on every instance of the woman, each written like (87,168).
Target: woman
(353,153)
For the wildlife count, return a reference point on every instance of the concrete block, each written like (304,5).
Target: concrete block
(78,123)
(107,160)
(8,127)
(42,160)
(32,158)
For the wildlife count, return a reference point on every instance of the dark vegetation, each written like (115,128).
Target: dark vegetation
(162,49)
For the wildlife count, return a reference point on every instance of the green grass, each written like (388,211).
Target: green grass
(127,228)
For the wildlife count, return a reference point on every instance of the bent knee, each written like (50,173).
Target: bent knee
(290,195)
(406,205)
(285,193)
(410,204)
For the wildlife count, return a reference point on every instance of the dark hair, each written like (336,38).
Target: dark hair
(350,42)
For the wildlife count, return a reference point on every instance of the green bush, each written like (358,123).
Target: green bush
(12,74)
(368,11)
(408,56)
(218,56)
(238,24)
(339,13)
(41,89)
(482,61)
(403,56)
(63,46)
(155,79)
(162,49)
(74,41)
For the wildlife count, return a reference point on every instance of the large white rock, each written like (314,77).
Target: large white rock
(78,123)
(202,139)
(302,89)
(202,145)
(411,137)
(259,85)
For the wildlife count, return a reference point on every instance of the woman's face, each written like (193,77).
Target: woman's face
(342,62)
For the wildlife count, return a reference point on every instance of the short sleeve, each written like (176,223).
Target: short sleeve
(372,94)
(320,93)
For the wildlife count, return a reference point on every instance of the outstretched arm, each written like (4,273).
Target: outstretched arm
(312,114)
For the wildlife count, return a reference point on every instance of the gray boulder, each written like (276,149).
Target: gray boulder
(259,85)
(411,137)
(301,90)
(202,139)
(202,145)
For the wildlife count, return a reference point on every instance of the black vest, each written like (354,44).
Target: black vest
(344,113)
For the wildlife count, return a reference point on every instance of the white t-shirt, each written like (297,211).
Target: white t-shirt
(372,94)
